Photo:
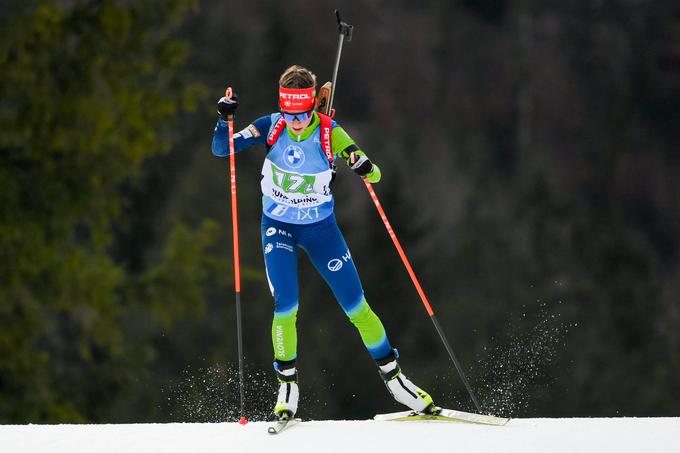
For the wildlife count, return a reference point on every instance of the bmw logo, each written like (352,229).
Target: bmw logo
(294,156)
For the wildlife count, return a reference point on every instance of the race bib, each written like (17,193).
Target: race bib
(295,189)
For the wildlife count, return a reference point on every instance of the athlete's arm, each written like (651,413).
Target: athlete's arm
(344,146)
(255,133)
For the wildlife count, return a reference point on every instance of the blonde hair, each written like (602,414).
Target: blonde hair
(297,77)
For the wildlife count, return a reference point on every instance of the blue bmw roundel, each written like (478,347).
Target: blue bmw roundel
(294,156)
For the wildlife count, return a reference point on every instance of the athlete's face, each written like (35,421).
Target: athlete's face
(297,125)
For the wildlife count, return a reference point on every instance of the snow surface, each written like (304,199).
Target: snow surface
(519,435)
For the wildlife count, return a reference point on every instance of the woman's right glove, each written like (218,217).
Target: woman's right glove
(227,106)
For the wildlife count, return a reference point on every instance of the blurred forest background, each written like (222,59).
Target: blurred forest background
(531,163)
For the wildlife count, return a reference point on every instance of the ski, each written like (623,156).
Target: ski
(445,415)
(282,424)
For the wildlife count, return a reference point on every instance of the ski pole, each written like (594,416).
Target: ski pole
(346,31)
(420,291)
(237,262)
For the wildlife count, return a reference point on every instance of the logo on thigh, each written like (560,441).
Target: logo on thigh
(284,246)
(334,265)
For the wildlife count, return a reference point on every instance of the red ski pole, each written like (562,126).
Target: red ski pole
(420,291)
(237,261)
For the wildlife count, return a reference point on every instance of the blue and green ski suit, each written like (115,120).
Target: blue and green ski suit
(298,214)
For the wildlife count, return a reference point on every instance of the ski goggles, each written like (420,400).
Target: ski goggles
(302,116)
(296,100)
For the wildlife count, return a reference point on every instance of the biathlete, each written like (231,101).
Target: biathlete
(297,204)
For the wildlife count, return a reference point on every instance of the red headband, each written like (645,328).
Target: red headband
(295,100)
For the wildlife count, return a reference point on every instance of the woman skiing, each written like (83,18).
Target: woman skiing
(302,145)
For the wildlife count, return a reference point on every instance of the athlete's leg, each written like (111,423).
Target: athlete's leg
(280,257)
(329,253)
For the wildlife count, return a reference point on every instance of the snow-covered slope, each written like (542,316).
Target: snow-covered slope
(520,436)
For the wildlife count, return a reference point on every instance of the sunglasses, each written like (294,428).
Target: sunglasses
(302,116)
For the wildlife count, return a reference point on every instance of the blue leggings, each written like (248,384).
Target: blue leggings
(324,244)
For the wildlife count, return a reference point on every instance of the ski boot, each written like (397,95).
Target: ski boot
(402,389)
(287,400)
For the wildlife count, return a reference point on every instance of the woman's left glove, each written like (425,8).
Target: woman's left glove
(363,167)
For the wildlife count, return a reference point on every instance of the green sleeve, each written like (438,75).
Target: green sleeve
(375,175)
(343,145)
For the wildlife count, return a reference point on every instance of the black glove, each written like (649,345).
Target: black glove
(360,164)
(227,107)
